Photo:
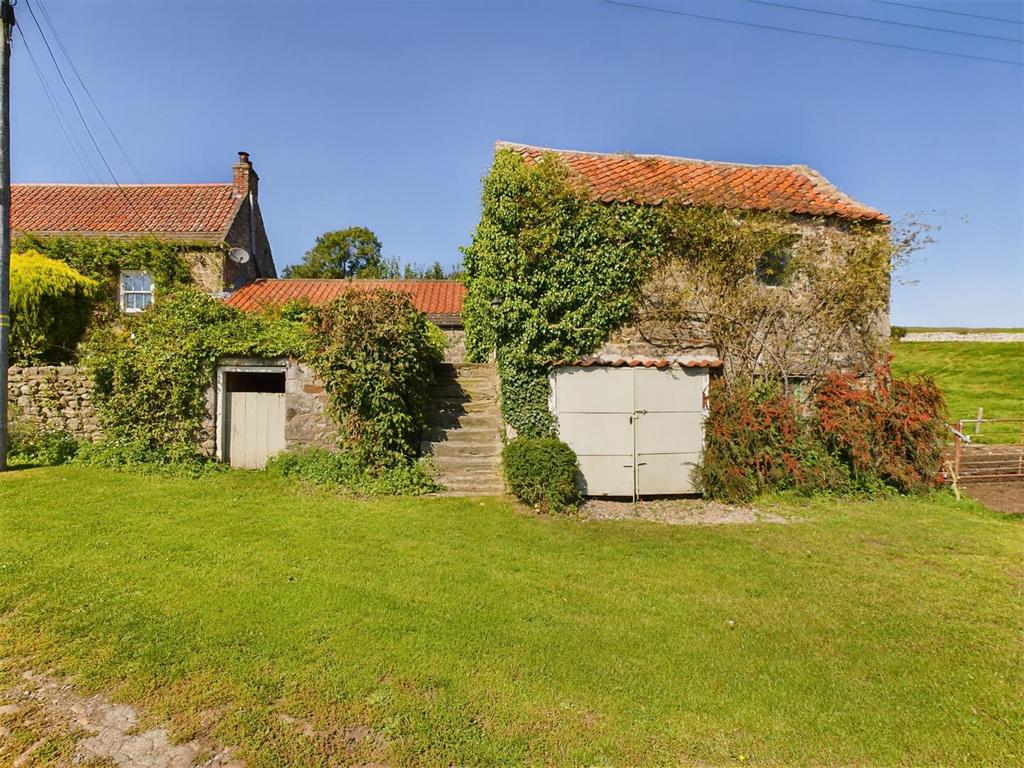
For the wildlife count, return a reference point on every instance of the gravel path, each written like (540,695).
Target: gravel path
(677,512)
(102,733)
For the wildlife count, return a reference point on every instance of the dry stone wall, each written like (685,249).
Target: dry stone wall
(53,398)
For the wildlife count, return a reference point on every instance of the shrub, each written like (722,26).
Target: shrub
(375,354)
(50,308)
(853,436)
(121,451)
(897,332)
(758,439)
(891,433)
(41,447)
(345,470)
(541,472)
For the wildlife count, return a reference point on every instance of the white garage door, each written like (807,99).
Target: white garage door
(636,431)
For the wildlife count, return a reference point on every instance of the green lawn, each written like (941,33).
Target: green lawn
(465,632)
(971,375)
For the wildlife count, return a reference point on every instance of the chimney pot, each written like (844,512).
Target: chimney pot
(243,157)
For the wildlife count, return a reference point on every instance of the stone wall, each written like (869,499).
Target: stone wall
(53,398)
(307,422)
(455,352)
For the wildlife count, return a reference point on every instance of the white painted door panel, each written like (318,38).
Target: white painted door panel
(597,434)
(660,432)
(606,475)
(665,473)
(255,428)
(594,390)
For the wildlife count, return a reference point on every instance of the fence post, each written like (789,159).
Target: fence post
(977,421)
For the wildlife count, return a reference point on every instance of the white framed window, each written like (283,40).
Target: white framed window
(136,290)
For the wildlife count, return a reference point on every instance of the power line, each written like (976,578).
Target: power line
(945,10)
(884,21)
(76,148)
(85,123)
(824,35)
(81,82)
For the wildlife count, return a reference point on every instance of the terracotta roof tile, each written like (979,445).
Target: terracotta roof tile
(432,297)
(653,179)
(182,211)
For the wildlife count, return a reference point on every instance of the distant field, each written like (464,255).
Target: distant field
(971,375)
(933,329)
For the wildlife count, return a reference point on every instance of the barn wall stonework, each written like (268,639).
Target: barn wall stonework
(53,398)
(307,422)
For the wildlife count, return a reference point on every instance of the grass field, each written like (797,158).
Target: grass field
(466,632)
(971,375)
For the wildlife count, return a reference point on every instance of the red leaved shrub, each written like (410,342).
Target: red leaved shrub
(852,436)
(890,432)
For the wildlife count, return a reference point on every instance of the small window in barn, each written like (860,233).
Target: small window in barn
(773,266)
(136,290)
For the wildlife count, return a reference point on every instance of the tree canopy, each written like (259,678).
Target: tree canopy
(352,252)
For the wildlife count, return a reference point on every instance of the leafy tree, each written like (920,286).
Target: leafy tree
(352,252)
(415,272)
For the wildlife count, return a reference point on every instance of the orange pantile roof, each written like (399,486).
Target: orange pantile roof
(653,179)
(636,362)
(432,297)
(175,211)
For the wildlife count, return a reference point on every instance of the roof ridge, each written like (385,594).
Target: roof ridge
(653,156)
(119,186)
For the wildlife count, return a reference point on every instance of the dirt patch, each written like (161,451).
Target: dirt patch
(1002,497)
(45,721)
(677,512)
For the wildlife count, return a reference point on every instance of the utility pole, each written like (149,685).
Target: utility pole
(6,31)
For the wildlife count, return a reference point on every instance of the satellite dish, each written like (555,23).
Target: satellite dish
(239,255)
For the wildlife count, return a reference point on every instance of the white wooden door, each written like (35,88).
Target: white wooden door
(255,428)
(636,431)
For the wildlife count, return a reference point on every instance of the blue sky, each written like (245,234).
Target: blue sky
(385,114)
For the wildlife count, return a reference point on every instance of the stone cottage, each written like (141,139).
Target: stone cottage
(224,215)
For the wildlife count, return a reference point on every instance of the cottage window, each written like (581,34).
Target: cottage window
(136,290)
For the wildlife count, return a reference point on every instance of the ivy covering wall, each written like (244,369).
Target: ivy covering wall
(103,258)
(549,275)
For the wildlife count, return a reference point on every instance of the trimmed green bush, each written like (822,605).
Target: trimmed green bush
(541,472)
(50,308)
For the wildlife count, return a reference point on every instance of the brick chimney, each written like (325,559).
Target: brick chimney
(243,177)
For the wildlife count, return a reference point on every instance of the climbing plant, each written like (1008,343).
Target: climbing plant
(103,258)
(153,371)
(549,275)
(376,354)
(552,273)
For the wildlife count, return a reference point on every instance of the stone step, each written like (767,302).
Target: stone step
(447,420)
(462,405)
(459,433)
(451,389)
(464,450)
(449,465)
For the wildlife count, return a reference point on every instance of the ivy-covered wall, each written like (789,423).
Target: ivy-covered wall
(553,274)
(549,275)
